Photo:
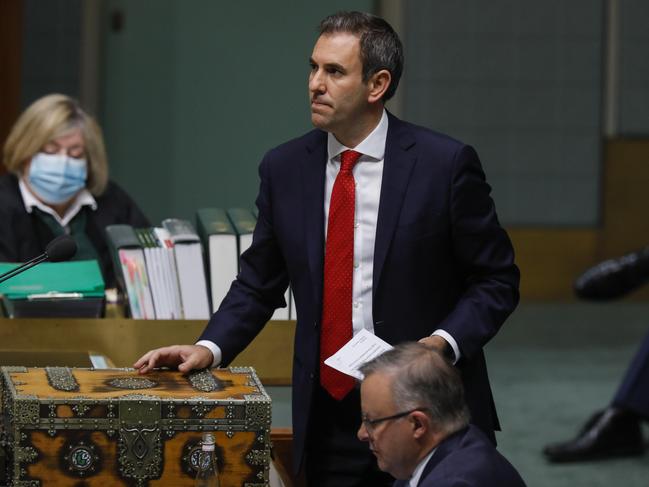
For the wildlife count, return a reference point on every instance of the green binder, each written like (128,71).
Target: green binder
(54,289)
(82,277)
(243,220)
(244,223)
(221,242)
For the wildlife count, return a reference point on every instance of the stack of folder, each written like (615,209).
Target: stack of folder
(160,270)
(190,267)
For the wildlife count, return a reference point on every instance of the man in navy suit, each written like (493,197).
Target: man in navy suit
(378,224)
(415,421)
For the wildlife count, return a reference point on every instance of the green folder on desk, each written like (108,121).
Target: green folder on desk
(54,289)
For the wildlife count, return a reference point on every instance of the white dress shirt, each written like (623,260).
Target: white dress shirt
(416,474)
(83,198)
(368,174)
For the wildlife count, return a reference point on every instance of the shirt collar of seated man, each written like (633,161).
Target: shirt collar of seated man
(398,425)
(72,145)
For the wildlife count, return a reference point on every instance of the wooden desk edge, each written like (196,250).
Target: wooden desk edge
(125,340)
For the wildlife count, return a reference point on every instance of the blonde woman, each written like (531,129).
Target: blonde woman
(58,183)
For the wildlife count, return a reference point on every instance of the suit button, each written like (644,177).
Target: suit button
(311,376)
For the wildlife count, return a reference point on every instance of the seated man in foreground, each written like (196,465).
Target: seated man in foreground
(417,423)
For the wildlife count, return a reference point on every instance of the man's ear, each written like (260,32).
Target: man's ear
(421,424)
(378,84)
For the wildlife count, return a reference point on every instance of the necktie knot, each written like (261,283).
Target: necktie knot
(348,160)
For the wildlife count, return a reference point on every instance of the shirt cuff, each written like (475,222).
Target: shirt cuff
(216,351)
(451,341)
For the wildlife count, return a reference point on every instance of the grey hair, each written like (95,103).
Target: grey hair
(423,378)
(381,47)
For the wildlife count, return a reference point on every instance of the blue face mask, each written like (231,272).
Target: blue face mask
(55,178)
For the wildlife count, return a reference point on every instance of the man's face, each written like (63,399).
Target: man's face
(338,95)
(391,441)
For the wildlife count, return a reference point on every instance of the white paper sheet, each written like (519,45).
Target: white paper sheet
(362,348)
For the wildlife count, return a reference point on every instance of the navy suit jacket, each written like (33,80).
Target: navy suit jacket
(467,459)
(441,259)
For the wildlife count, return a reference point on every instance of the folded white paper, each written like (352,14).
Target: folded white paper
(362,348)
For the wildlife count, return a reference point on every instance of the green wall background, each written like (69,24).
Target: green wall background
(195,92)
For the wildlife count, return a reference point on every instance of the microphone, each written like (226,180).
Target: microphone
(61,248)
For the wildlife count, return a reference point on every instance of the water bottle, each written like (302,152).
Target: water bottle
(207,474)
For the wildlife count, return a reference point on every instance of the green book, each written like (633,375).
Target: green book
(212,221)
(80,277)
(130,269)
(243,220)
(120,237)
(244,224)
(72,289)
(220,240)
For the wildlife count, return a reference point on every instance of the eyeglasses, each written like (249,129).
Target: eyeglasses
(370,424)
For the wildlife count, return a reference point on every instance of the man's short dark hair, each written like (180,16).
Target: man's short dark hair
(423,378)
(380,45)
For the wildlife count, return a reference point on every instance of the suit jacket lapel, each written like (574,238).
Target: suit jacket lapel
(313,179)
(397,167)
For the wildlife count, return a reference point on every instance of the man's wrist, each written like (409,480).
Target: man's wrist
(451,351)
(216,351)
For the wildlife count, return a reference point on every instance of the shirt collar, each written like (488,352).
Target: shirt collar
(416,474)
(373,145)
(84,198)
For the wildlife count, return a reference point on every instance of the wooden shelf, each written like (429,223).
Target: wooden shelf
(124,340)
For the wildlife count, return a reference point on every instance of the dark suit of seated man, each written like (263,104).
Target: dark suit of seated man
(416,422)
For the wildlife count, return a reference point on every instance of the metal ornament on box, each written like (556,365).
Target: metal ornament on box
(132,420)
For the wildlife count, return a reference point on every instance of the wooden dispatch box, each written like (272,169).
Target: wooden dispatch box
(113,427)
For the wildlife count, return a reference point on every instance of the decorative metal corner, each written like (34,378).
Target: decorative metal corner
(26,411)
(14,369)
(258,412)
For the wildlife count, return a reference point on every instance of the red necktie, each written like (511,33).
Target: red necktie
(336,327)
